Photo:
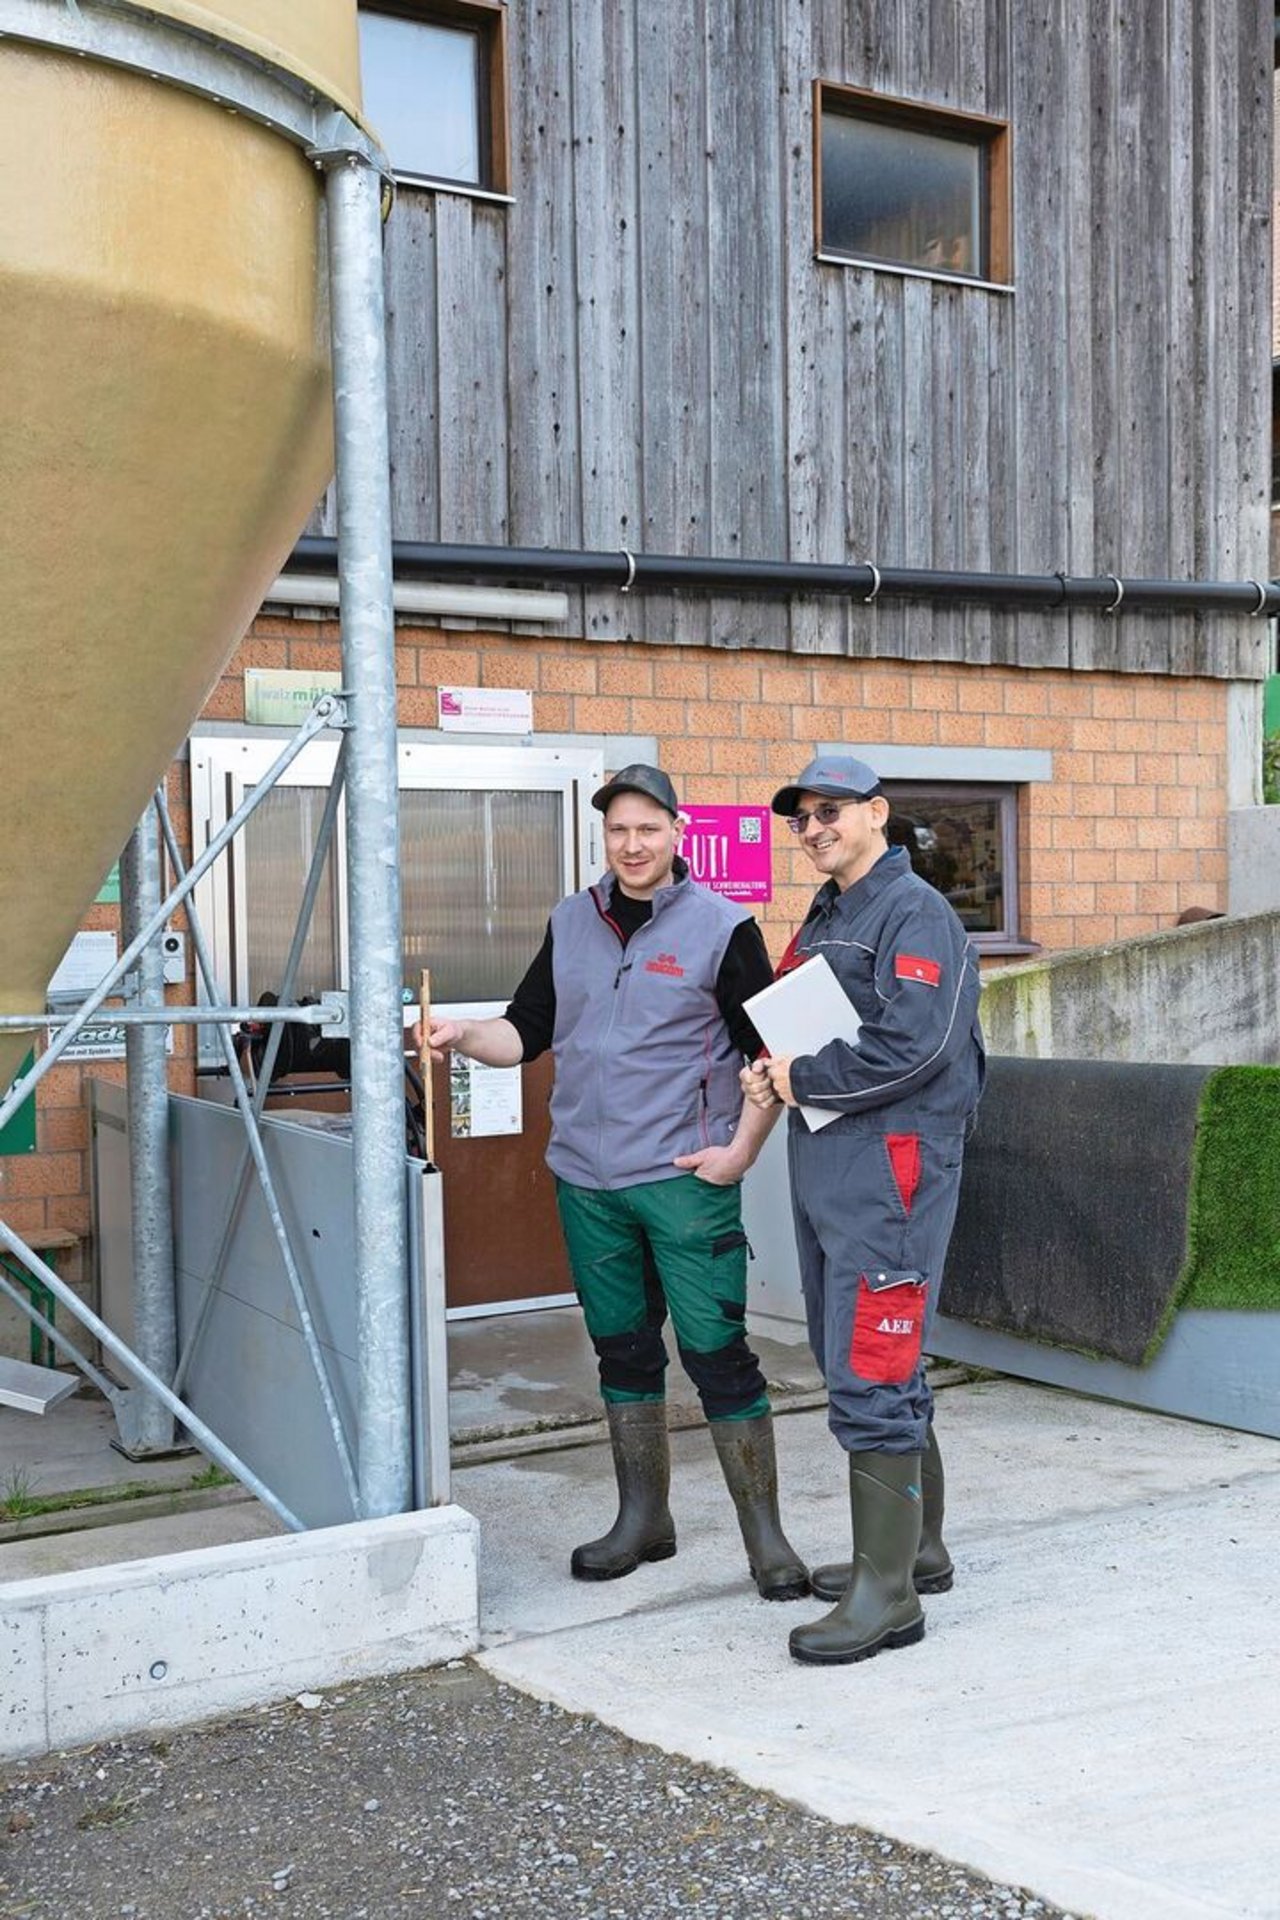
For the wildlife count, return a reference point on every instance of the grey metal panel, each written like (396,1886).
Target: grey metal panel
(1219,1367)
(250,1379)
(112,1211)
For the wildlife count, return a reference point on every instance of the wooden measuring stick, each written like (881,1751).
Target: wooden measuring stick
(424,1066)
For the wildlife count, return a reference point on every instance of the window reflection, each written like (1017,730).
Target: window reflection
(422,91)
(901,194)
(958,847)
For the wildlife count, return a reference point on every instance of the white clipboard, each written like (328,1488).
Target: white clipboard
(800,1013)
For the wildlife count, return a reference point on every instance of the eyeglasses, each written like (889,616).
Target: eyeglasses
(826,813)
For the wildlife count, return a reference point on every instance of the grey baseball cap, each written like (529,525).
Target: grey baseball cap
(836,775)
(639,778)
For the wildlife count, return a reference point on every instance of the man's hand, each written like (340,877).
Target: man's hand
(779,1072)
(756,1085)
(718,1166)
(442,1037)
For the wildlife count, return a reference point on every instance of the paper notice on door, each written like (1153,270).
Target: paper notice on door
(801,1013)
(483,1101)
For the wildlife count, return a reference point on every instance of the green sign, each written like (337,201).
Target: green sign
(1271,707)
(108,894)
(20,1134)
(281,697)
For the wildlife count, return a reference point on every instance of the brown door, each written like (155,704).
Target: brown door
(502,1238)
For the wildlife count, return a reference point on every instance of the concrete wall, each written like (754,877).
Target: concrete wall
(1253,860)
(1207,994)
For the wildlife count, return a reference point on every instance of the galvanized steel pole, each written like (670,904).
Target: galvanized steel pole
(155,1316)
(354,194)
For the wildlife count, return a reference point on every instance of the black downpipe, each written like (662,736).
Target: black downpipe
(658,572)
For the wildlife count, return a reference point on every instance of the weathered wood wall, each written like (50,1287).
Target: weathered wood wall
(642,350)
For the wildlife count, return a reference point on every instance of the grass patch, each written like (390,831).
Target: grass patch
(1233,1213)
(19,1502)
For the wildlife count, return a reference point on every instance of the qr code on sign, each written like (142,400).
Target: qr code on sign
(749,829)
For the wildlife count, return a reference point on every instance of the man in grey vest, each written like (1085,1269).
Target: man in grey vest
(874,1190)
(638,990)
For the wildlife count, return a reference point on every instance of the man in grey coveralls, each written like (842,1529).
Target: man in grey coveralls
(874,1192)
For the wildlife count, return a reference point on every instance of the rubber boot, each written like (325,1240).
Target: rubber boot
(749,1463)
(644,1529)
(934,1572)
(879,1608)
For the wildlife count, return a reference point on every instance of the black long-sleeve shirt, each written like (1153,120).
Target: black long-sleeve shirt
(744,970)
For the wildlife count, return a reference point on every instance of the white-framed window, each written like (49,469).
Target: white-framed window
(901,184)
(490,839)
(434,80)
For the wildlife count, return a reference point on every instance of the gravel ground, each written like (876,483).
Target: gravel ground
(442,1794)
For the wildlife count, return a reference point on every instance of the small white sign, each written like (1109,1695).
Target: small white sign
(85,965)
(483,1101)
(486,709)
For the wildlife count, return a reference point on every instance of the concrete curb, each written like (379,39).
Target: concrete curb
(172,1639)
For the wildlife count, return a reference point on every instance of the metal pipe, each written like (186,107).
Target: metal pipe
(254,1136)
(358,324)
(327,1012)
(327,712)
(195,1426)
(657,572)
(155,1312)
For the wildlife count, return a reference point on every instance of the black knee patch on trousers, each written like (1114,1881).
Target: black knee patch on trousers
(728,1380)
(632,1362)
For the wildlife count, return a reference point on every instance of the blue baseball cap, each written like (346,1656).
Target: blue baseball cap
(837,776)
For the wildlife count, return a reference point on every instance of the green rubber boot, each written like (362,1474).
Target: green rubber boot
(644,1529)
(879,1608)
(749,1463)
(934,1572)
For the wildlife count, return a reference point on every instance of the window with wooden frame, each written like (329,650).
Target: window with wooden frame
(964,841)
(435,90)
(918,188)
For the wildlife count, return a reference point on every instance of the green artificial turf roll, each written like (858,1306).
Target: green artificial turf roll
(1233,1229)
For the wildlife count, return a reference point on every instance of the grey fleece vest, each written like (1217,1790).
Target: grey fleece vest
(645,1068)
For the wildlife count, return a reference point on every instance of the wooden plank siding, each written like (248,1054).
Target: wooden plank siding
(642,349)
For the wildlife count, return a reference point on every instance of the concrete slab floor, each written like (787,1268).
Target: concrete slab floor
(1094,1713)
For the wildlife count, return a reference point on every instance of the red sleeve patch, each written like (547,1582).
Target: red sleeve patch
(910,966)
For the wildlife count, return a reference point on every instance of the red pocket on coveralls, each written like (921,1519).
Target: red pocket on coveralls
(888,1327)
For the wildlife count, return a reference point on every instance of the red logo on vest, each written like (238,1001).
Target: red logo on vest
(665,963)
(910,966)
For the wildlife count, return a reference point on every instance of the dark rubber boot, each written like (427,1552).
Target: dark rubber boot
(934,1572)
(879,1608)
(750,1467)
(644,1529)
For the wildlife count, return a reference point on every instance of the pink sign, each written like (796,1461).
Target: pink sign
(727,849)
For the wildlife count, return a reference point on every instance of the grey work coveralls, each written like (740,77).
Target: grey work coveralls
(874,1193)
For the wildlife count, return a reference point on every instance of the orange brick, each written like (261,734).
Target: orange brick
(975,695)
(1095,866)
(63,1129)
(621,673)
(887,688)
(1115,833)
(601,715)
(417,707)
(1130,925)
(24,1216)
(226,702)
(1177,863)
(769,722)
(1199,700)
(1050,864)
(71,1211)
(1154,699)
(677,680)
(732,679)
(715,718)
(1026,695)
(958,730)
(1118,897)
(509,667)
(1053,931)
(45,1174)
(572,674)
(659,716)
(910,729)
(1133,863)
(688,755)
(552,712)
(1113,699)
(737,756)
(1156,832)
(1070,696)
(786,684)
(934,691)
(1094,929)
(406,667)
(451,667)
